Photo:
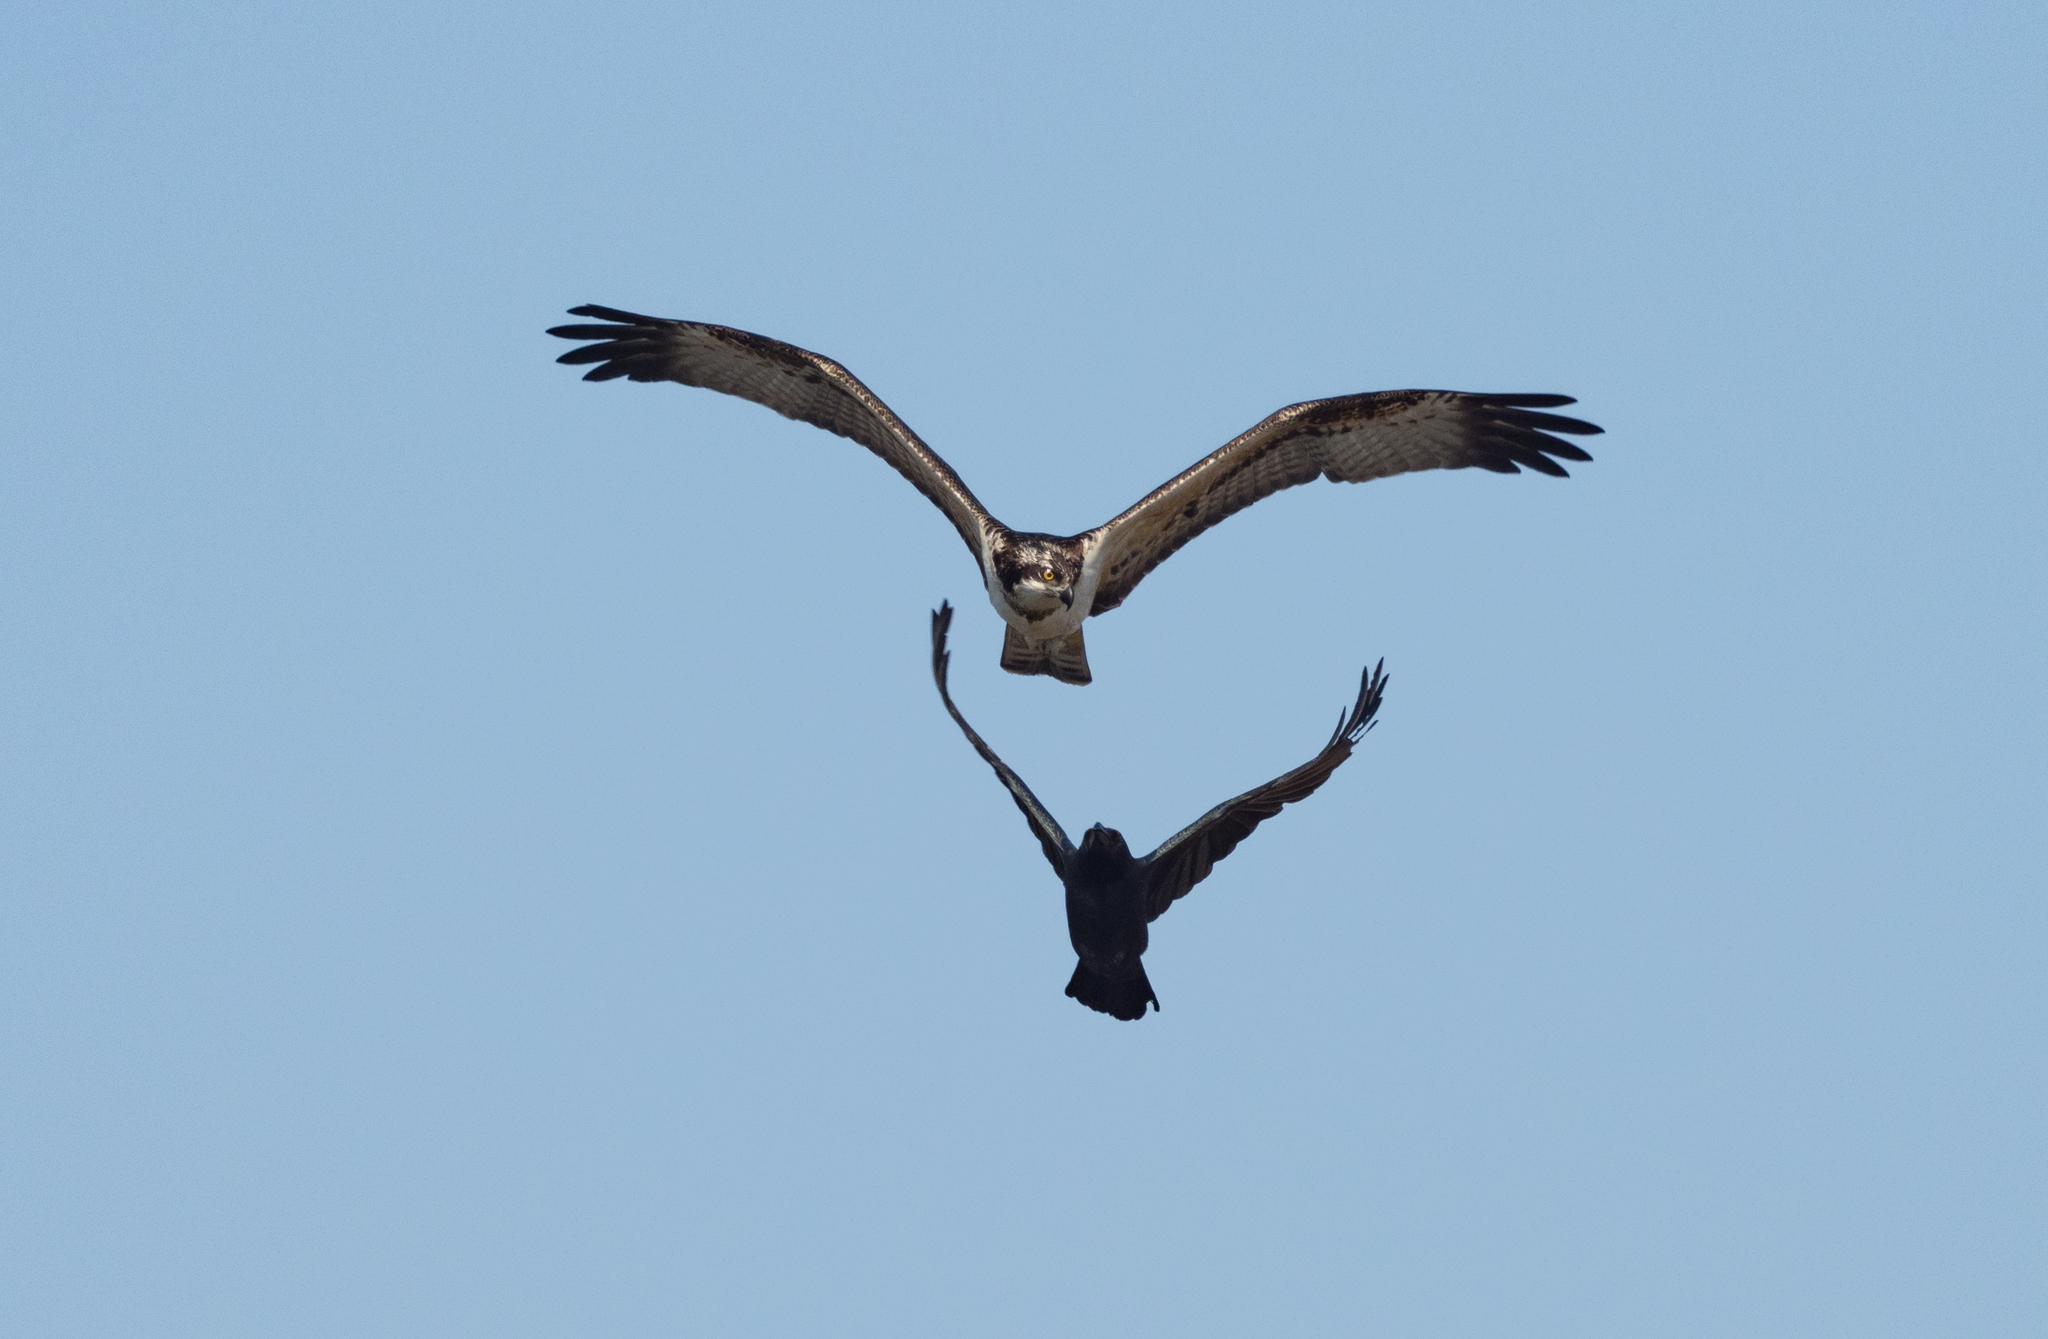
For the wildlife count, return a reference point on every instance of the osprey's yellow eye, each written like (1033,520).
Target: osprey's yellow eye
(1046,574)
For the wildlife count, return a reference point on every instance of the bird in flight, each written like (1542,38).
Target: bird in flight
(1044,586)
(1111,894)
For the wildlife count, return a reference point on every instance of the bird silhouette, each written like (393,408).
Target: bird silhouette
(1112,896)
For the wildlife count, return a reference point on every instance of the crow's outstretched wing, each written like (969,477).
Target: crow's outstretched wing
(793,382)
(1346,440)
(1186,858)
(1051,838)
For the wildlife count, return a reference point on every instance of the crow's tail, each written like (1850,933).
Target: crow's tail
(1122,997)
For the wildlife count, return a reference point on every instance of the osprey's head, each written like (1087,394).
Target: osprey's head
(1038,573)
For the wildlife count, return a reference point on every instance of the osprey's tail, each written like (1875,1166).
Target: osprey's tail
(1064,658)
(1123,998)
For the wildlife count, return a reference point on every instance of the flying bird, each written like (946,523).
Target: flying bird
(1043,585)
(1111,894)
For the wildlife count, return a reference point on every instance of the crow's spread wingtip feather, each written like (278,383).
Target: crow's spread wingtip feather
(942,658)
(1372,690)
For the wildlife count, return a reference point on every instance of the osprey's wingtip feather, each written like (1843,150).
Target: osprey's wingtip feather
(616,314)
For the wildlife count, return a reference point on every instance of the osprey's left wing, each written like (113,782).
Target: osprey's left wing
(795,383)
(1186,858)
(1052,839)
(1346,440)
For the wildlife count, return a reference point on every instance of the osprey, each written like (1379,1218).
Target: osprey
(1045,585)
(1111,895)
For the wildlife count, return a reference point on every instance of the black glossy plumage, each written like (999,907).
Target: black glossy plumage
(1113,896)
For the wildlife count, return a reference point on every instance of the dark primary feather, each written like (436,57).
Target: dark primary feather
(1051,838)
(1348,439)
(795,383)
(1185,859)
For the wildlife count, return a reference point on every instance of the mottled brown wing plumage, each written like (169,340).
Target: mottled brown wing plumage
(1185,859)
(1052,839)
(1347,440)
(793,382)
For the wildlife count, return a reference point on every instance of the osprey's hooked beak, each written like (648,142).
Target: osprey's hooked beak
(1067,596)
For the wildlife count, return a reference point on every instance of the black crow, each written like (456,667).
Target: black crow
(1112,895)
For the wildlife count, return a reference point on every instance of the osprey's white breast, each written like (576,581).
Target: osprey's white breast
(1061,619)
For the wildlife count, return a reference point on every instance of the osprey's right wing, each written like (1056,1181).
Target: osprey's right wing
(1051,838)
(793,382)
(1347,440)
(1186,858)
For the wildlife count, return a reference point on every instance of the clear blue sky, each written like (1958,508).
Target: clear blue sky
(482,854)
